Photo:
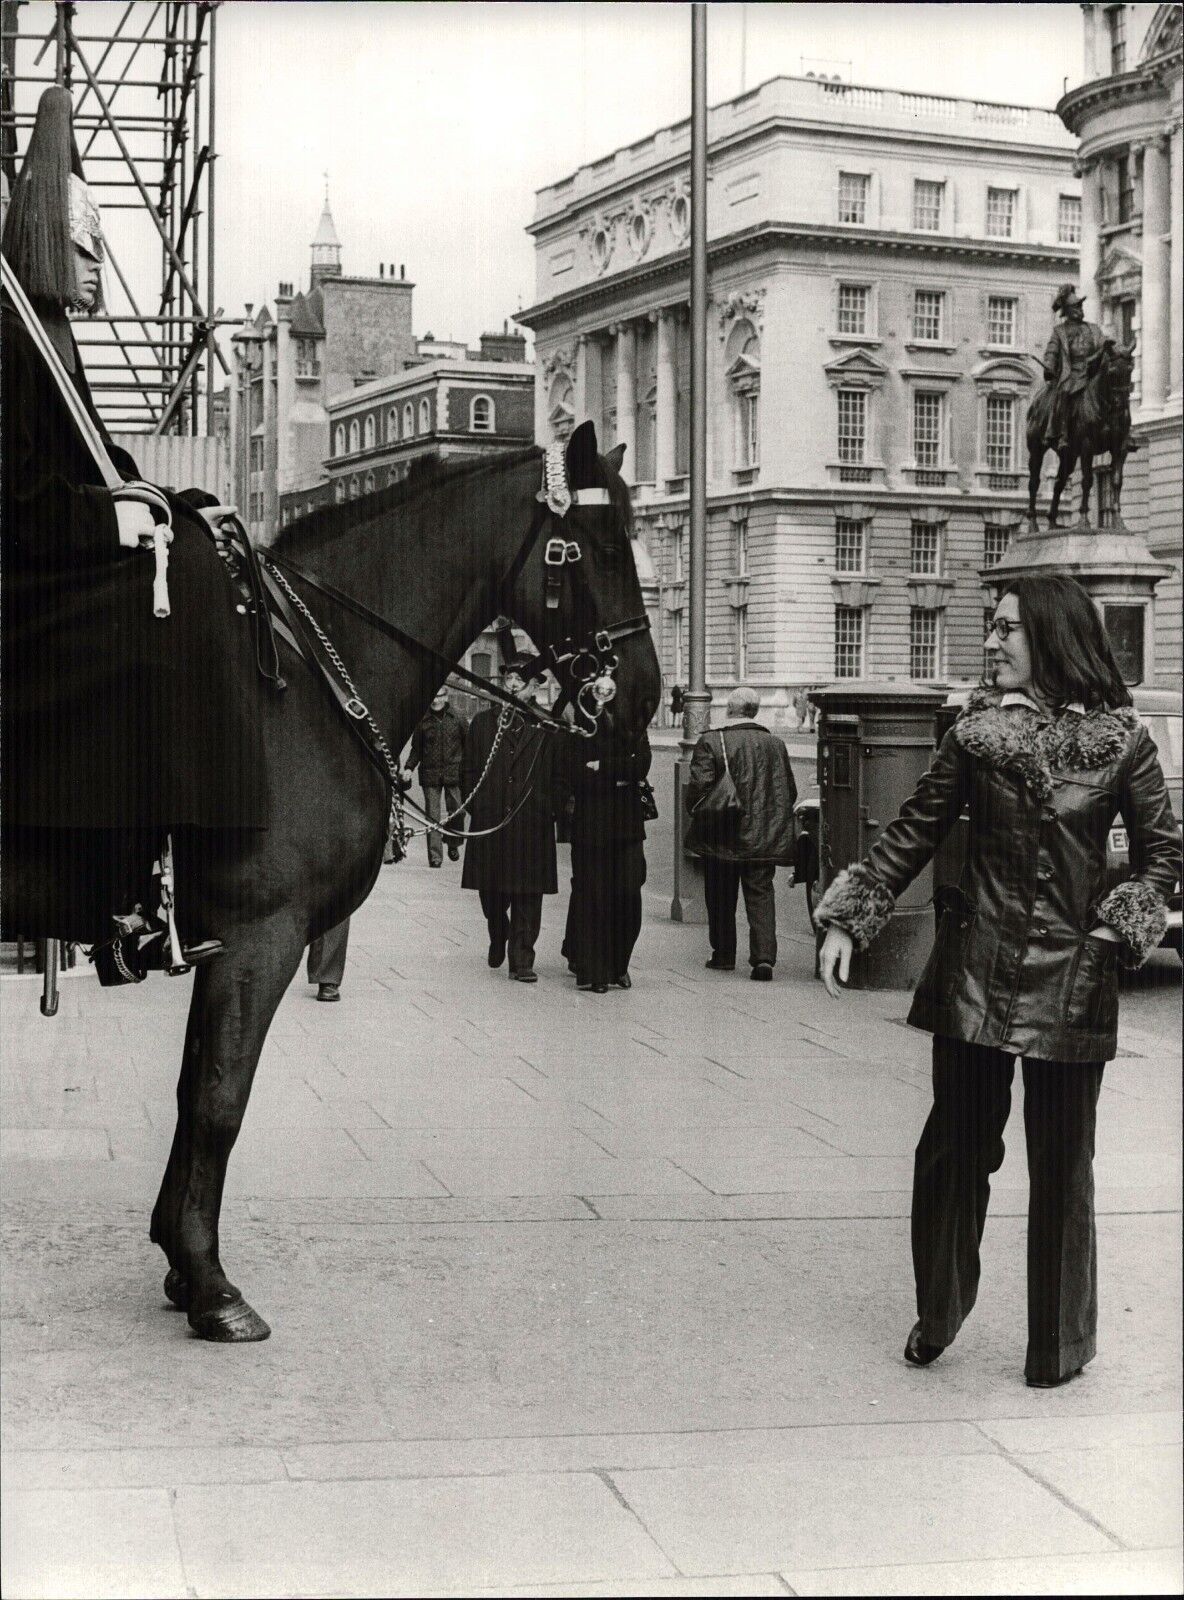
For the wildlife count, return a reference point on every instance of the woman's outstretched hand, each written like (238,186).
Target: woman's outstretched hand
(835,953)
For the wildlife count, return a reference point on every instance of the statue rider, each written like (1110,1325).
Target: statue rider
(1073,344)
(122,729)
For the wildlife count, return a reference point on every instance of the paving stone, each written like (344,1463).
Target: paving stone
(54,1144)
(1122,1572)
(1134,1491)
(1025,1435)
(90,1542)
(139,1468)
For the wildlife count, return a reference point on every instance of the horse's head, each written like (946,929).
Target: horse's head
(1112,368)
(578,594)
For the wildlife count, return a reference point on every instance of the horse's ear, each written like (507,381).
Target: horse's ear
(615,456)
(582,457)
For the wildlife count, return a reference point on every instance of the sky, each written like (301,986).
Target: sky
(437,122)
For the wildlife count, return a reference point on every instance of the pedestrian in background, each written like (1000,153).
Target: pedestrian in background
(603,777)
(1026,959)
(437,749)
(513,867)
(745,853)
(326,961)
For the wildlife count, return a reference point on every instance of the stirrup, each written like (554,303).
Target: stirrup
(180,960)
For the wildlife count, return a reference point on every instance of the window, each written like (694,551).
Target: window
(1000,440)
(1126,189)
(740,548)
(676,652)
(853,308)
(1001,209)
(677,554)
(339,440)
(925,550)
(849,545)
(995,542)
(339,490)
(408,421)
(1124,319)
(256,455)
(392,425)
(353,437)
(852,424)
(425,415)
(741,615)
(748,430)
(1001,320)
(928,314)
(368,432)
(988,629)
(848,642)
(1116,18)
(481,415)
(923,643)
(744,375)
(927,198)
(1069,219)
(928,411)
(853,188)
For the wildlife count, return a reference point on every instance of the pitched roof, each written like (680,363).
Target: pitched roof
(326,233)
(307,315)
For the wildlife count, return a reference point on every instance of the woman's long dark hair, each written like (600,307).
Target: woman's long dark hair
(1070,650)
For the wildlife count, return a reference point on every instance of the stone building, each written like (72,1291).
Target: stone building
(1127,114)
(290,362)
(881,265)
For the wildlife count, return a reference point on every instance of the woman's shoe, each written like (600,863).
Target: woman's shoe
(623,982)
(917,1352)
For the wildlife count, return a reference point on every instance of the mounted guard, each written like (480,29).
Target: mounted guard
(1083,409)
(128,720)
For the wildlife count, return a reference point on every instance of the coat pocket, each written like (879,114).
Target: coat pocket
(1093,995)
(948,958)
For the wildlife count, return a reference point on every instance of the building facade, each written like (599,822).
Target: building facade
(1127,113)
(880,265)
(290,362)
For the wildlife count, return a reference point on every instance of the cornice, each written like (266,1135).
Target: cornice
(676,265)
(1146,81)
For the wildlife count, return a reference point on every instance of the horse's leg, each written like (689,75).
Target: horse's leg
(234,1000)
(1087,483)
(1035,463)
(1064,468)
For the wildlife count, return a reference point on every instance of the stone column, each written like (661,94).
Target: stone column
(579,397)
(666,420)
(1091,222)
(627,398)
(1155,331)
(1176,264)
(1090,62)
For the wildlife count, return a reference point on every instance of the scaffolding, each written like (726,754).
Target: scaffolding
(142,76)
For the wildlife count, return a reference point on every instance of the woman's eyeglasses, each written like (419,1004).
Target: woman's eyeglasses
(1003,626)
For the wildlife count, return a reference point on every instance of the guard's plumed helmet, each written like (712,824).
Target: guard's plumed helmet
(51,209)
(1067,296)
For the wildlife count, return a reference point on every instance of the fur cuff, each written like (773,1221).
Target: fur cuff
(858,903)
(1135,911)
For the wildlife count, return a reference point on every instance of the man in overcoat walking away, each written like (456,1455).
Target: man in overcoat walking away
(513,867)
(437,749)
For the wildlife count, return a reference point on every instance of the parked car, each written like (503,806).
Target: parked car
(1162,714)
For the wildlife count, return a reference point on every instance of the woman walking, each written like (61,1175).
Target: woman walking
(1026,959)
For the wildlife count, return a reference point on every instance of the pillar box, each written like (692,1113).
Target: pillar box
(875,741)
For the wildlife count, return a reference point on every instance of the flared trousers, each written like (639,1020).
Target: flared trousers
(960,1147)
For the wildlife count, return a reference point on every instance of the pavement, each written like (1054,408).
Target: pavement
(571,1294)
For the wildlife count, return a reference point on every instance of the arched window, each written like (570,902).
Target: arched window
(339,440)
(408,420)
(425,415)
(482,418)
(743,367)
(369,483)
(353,437)
(368,432)
(392,425)
(339,490)
(353,488)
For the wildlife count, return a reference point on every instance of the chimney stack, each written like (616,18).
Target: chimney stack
(381,270)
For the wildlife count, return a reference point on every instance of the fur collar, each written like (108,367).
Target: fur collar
(1017,741)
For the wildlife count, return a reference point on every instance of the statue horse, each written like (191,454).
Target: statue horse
(1101,424)
(439,559)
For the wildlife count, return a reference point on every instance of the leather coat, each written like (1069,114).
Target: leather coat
(1014,965)
(765,787)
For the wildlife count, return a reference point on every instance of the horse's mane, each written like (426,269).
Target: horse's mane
(321,527)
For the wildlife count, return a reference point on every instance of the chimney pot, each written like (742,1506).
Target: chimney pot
(381,270)
(402,271)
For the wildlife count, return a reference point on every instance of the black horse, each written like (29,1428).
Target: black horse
(1101,425)
(440,559)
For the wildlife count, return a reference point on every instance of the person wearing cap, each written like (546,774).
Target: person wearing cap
(1072,346)
(510,850)
(120,727)
(437,749)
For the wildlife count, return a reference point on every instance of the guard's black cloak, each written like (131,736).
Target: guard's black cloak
(520,857)
(112,718)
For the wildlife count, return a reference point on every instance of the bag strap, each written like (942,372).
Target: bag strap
(723,746)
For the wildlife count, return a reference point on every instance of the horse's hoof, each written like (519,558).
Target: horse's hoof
(176,1289)
(234,1323)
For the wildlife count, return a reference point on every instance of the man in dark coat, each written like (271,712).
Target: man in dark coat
(761,839)
(118,726)
(437,749)
(514,867)
(602,777)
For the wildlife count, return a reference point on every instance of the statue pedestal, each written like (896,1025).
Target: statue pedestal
(1115,568)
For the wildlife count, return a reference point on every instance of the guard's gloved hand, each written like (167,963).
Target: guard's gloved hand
(136,523)
(216,515)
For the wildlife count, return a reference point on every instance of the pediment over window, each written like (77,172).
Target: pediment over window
(1165,33)
(856,369)
(745,371)
(1121,271)
(1004,372)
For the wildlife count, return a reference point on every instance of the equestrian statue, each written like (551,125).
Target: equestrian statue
(200,739)
(1083,409)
